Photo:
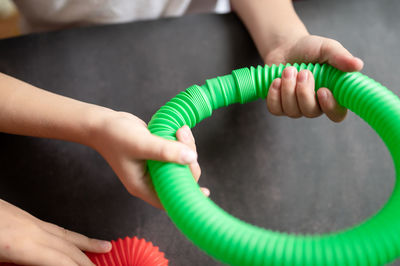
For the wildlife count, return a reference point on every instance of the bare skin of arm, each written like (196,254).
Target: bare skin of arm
(121,138)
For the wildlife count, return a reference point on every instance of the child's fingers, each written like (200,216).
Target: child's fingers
(50,257)
(67,248)
(44,256)
(306,95)
(288,93)
(205,191)
(330,106)
(81,241)
(274,103)
(196,171)
(184,135)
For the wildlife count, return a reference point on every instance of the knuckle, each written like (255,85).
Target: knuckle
(273,106)
(80,240)
(89,242)
(132,190)
(33,228)
(337,119)
(335,43)
(164,152)
(311,114)
(288,88)
(294,114)
(65,233)
(291,109)
(274,111)
(302,92)
(50,225)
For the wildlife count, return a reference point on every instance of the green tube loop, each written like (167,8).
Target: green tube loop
(375,241)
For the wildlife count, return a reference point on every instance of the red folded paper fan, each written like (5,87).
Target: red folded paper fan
(127,252)
(130,252)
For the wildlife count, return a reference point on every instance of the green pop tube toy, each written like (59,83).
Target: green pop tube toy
(375,241)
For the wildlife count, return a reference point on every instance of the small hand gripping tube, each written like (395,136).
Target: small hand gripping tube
(375,241)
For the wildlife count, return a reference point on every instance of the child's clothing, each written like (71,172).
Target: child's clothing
(44,15)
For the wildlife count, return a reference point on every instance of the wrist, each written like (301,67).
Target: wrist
(272,24)
(97,117)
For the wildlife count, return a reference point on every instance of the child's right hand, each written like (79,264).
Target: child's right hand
(125,143)
(27,240)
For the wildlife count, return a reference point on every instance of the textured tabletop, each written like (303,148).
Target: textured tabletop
(293,175)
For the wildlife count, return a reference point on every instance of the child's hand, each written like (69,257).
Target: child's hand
(126,143)
(121,138)
(281,37)
(294,95)
(27,240)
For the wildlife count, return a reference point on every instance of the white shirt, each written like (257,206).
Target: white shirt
(44,15)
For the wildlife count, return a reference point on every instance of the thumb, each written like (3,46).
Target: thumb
(336,55)
(156,148)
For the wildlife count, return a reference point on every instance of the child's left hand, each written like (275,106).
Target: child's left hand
(281,37)
(293,94)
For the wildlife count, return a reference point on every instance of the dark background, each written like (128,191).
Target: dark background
(294,175)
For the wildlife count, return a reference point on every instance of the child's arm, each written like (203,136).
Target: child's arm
(121,138)
(281,37)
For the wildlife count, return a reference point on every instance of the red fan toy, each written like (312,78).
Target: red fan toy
(130,252)
(127,252)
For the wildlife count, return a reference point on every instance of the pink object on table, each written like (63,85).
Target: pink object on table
(127,252)
(130,251)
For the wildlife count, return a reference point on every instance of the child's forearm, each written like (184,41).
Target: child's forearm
(27,110)
(269,22)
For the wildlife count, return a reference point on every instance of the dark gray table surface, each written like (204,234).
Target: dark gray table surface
(294,175)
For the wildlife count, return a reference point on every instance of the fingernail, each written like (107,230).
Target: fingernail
(205,191)
(275,84)
(105,245)
(288,73)
(189,131)
(302,76)
(185,135)
(359,59)
(188,156)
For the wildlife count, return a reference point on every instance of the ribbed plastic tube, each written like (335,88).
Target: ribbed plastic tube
(376,241)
